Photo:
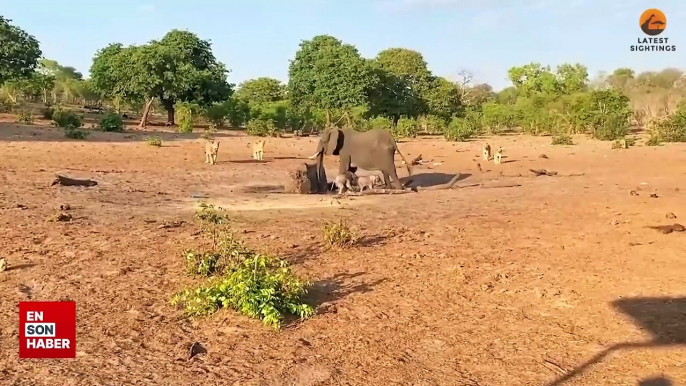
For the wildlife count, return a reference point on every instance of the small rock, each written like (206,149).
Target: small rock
(65,207)
(196,349)
(633,193)
(670,215)
(678,228)
(3,265)
(653,195)
(614,222)
(543,156)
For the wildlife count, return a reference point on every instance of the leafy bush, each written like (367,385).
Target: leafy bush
(112,122)
(562,139)
(217,114)
(262,127)
(47,112)
(259,286)
(535,120)
(154,141)
(381,122)
(209,133)
(66,119)
(406,128)
(603,113)
(25,117)
(431,124)
(654,140)
(496,117)
(671,128)
(338,234)
(185,116)
(462,129)
(75,132)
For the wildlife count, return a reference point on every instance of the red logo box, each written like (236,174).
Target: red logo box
(47,330)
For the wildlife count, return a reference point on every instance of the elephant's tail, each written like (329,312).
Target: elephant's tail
(407,164)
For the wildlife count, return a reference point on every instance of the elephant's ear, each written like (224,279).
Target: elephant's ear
(334,143)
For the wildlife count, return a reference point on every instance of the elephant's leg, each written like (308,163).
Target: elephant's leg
(386,179)
(344,164)
(394,176)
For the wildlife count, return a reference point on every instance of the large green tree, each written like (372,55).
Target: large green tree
(328,75)
(178,68)
(261,90)
(19,52)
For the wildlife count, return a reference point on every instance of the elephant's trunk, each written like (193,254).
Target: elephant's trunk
(321,173)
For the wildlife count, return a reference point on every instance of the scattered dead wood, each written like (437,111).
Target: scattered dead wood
(372,192)
(543,172)
(66,181)
(3,265)
(555,367)
(60,217)
(416,161)
(667,229)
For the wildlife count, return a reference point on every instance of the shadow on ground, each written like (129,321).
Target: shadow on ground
(663,318)
(425,180)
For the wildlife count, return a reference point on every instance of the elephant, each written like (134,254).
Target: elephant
(369,150)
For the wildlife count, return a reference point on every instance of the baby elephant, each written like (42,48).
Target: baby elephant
(367,181)
(344,181)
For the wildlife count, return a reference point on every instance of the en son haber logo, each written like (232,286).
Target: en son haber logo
(653,22)
(47,330)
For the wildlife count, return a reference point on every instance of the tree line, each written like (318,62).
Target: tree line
(330,83)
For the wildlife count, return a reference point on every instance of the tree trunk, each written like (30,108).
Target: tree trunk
(328,118)
(169,106)
(146,111)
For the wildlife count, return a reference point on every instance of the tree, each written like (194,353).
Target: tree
(478,94)
(178,68)
(441,98)
(261,90)
(402,77)
(620,78)
(534,78)
(328,75)
(19,52)
(572,78)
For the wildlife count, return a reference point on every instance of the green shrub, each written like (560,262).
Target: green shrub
(654,140)
(496,117)
(185,116)
(431,124)
(256,285)
(47,112)
(536,120)
(261,287)
(602,113)
(262,127)
(562,139)
(75,132)
(462,129)
(406,128)
(25,117)
(671,128)
(154,141)
(381,122)
(112,122)
(217,114)
(66,119)
(338,234)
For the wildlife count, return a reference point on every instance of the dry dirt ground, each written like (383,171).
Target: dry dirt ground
(484,284)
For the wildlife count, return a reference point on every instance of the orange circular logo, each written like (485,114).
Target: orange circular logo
(653,22)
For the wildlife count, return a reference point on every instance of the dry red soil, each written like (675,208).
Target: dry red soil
(506,279)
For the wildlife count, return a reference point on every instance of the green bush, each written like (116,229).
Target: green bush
(535,120)
(381,122)
(47,112)
(671,128)
(602,113)
(185,116)
(463,128)
(562,139)
(112,122)
(256,285)
(496,117)
(262,127)
(405,128)
(25,117)
(431,124)
(75,132)
(154,141)
(217,114)
(66,118)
